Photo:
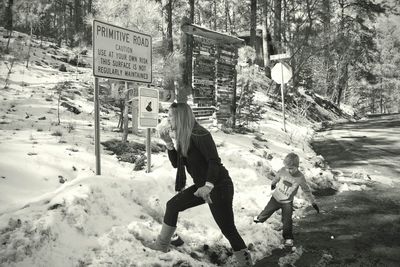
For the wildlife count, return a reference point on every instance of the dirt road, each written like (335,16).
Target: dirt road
(355,228)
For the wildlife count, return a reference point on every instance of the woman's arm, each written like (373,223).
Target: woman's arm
(205,144)
(173,157)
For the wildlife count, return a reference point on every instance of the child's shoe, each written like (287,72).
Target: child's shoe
(288,242)
(256,220)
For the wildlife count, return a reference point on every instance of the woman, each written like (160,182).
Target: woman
(195,149)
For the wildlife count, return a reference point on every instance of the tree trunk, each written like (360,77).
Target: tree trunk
(70,26)
(121,115)
(215,15)
(226,15)
(326,20)
(185,86)
(233,21)
(341,82)
(253,23)
(229,18)
(266,54)
(30,46)
(373,102)
(10,67)
(170,43)
(126,114)
(189,53)
(78,17)
(277,25)
(9,22)
(191,5)
(88,31)
(58,107)
(342,70)
(381,98)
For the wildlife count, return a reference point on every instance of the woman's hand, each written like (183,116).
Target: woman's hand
(204,193)
(164,129)
(166,137)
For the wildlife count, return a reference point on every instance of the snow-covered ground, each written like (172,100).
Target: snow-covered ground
(54,210)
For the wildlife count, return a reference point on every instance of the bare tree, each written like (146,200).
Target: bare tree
(8,14)
(253,23)
(265,38)
(277,24)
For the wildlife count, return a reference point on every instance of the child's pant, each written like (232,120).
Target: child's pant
(221,210)
(287,210)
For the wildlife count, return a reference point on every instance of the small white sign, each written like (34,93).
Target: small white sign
(148,107)
(281,73)
(279,56)
(121,54)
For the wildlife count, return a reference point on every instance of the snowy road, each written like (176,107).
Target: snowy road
(360,226)
(371,147)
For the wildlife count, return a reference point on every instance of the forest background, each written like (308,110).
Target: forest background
(346,50)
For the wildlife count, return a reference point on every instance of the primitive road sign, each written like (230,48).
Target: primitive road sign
(281,73)
(121,54)
(148,107)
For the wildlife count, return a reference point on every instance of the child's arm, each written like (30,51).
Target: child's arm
(306,189)
(276,179)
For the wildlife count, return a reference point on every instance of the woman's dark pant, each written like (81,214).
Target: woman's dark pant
(221,209)
(287,210)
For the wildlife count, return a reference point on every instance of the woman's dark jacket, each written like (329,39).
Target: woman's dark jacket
(202,161)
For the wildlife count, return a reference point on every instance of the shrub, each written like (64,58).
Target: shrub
(57,133)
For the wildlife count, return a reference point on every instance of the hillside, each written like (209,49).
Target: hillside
(54,210)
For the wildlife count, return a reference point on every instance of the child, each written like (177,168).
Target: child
(286,184)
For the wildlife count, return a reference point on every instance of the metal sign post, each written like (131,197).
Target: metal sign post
(283,99)
(97,125)
(148,149)
(281,73)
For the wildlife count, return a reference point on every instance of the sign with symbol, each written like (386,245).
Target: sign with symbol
(148,107)
(281,73)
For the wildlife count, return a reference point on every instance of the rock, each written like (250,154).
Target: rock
(70,107)
(62,68)
(319,162)
(61,179)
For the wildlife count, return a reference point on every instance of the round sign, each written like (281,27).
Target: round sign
(281,73)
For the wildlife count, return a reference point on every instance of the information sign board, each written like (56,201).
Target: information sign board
(121,54)
(279,56)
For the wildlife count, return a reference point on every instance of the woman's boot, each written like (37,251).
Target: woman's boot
(164,238)
(243,258)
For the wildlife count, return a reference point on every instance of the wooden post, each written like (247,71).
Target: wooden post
(234,98)
(97,125)
(135,109)
(126,112)
(185,86)
(135,128)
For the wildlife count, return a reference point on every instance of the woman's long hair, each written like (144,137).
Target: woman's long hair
(185,121)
